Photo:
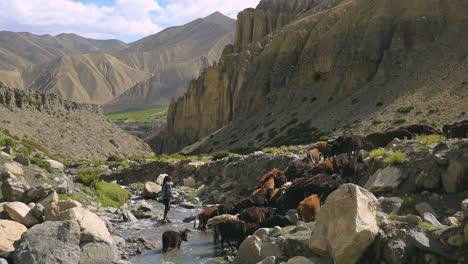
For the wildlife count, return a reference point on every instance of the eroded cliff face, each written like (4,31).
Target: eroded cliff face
(325,70)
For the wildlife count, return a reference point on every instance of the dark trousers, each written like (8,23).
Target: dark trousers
(167,206)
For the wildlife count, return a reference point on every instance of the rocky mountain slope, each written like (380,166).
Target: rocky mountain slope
(175,56)
(352,65)
(66,129)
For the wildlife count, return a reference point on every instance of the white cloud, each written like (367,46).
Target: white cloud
(124,19)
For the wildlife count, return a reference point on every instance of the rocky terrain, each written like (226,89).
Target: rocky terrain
(63,129)
(320,68)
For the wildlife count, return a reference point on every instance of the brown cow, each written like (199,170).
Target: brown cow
(322,146)
(235,230)
(173,239)
(315,155)
(456,130)
(278,176)
(324,167)
(258,199)
(276,220)
(308,208)
(256,214)
(206,215)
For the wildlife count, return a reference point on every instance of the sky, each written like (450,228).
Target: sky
(127,20)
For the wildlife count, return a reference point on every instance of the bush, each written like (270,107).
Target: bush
(26,152)
(220,155)
(405,109)
(395,158)
(430,139)
(272,150)
(42,163)
(111,195)
(378,153)
(64,197)
(7,142)
(115,158)
(324,138)
(89,177)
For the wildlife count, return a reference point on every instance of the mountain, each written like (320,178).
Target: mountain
(18,50)
(175,56)
(84,78)
(303,69)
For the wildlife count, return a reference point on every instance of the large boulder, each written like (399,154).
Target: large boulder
(57,166)
(53,210)
(384,180)
(97,253)
(15,189)
(151,190)
(49,243)
(10,231)
(23,160)
(52,197)
(93,229)
(270,249)
(249,251)
(346,224)
(37,192)
(20,212)
(14,167)
(423,208)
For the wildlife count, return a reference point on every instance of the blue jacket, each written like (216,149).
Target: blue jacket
(167,192)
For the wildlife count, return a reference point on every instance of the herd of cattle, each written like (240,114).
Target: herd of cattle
(305,185)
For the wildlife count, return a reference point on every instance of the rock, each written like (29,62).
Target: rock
(395,251)
(38,192)
(20,212)
(31,205)
(410,219)
(451,221)
(465,231)
(15,189)
(10,231)
(346,238)
(270,249)
(92,227)
(4,261)
(97,253)
(292,216)
(190,182)
(52,197)
(151,190)
(268,260)
(8,150)
(390,204)
(384,180)
(249,251)
(188,205)
(38,211)
(421,241)
(160,179)
(456,241)
(143,210)
(128,216)
(14,168)
(49,243)
(431,259)
(427,181)
(40,176)
(299,260)
(63,188)
(455,177)
(450,211)
(431,219)
(53,210)
(57,166)
(226,185)
(192,166)
(464,206)
(23,160)
(262,233)
(423,208)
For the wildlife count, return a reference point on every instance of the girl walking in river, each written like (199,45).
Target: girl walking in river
(167,196)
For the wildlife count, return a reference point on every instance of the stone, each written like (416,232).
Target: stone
(268,260)
(464,206)
(226,185)
(270,249)
(38,192)
(151,190)
(49,243)
(262,233)
(346,238)
(15,189)
(143,210)
(23,160)
(31,205)
(390,204)
(431,259)
(56,166)
(454,178)
(38,211)
(456,241)
(52,197)
(423,208)
(396,251)
(4,261)
(299,260)
(53,210)
(427,181)
(93,229)
(451,221)
(128,216)
(8,150)
(435,197)
(421,241)
(292,215)
(431,219)
(118,241)
(249,251)
(192,166)
(20,212)
(10,232)
(160,179)
(190,182)
(384,180)
(40,176)
(450,211)
(410,219)
(14,168)
(97,253)
(188,205)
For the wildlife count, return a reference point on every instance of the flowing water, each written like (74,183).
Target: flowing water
(198,249)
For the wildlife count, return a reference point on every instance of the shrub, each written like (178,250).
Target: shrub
(7,142)
(272,150)
(26,152)
(115,158)
(42,163)
(377,121)
(220,155)
(111,195)
(64,197)
(428,225)
(324,138)
(395,158)
(89,177)
(430,139)
(405,109)
(378,153)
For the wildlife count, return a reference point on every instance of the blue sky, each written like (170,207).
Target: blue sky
(127,20)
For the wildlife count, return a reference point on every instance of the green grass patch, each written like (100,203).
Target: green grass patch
(399,121)
(26,152)
(154,115)
(272,150)
(428,225)
(378,153)
(42,163)
(430,139)
(324,138)
(7,142)
(395,158)
(89,177)
(64,197)
(220,155)
(111,195)
(405,109)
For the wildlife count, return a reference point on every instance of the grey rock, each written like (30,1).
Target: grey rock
(128,216)
(397,251)
(38,192)
(97,253)
(38,211)
(423,208)
(384,180)
(15,189)
(431,219)
(23,160)
(3,261)
(49,243)
(421,241)
(390,204)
